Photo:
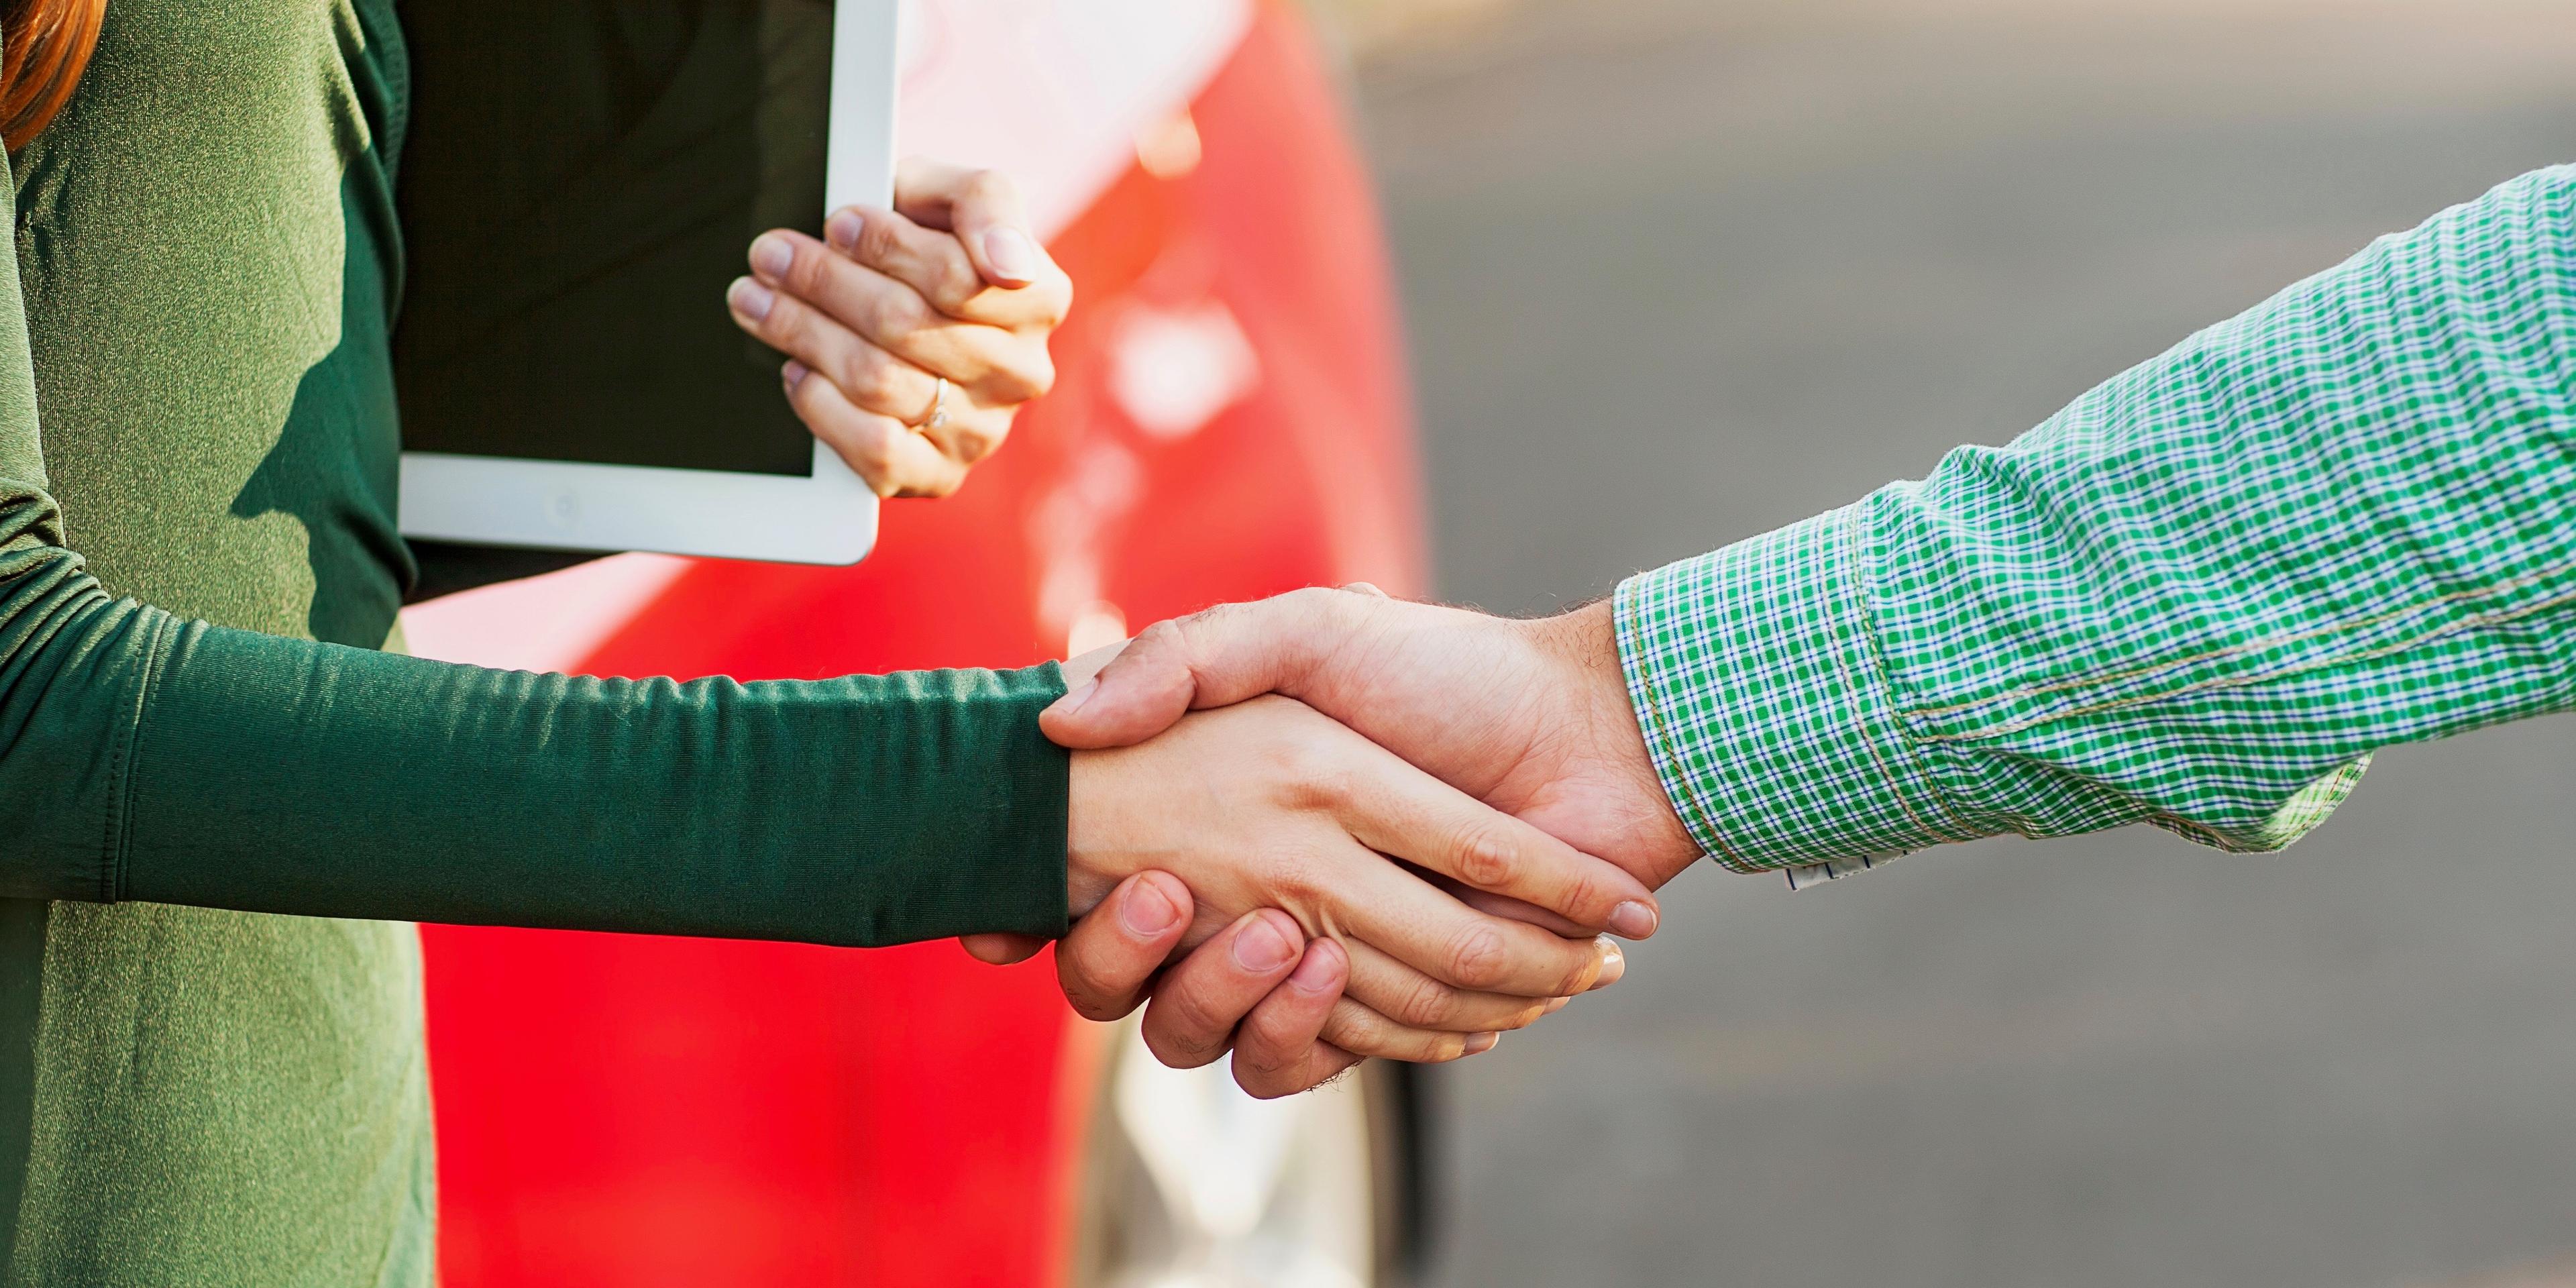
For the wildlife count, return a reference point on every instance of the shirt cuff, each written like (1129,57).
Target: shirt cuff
(1757,683)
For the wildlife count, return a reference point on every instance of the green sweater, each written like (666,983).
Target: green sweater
(198,565)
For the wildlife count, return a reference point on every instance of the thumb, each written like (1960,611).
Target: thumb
(1210,659)
(983,208)
(1149,685)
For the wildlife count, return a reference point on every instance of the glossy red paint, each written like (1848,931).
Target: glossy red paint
(635,1111)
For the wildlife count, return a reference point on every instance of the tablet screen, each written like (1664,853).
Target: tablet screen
(592,226)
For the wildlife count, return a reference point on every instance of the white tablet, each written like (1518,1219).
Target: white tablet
(580,180)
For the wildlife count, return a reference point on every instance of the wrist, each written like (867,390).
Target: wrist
(1582,646)
(1583,640)
(1089,798)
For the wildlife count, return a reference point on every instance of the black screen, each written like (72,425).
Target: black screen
(579,180)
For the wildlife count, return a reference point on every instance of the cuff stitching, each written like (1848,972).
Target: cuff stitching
(1865,630)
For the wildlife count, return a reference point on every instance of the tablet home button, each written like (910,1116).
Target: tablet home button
(564,509)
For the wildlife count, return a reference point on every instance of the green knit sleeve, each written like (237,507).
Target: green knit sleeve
(147,757)
(282,776)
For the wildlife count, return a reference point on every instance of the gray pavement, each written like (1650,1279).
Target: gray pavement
(1678,273)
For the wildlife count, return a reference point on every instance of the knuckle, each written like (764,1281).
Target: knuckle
(1297,878)
(1026,380)
(1167,640)
(879,242)
(1309,772)
(894,316)
(1426,1003)
(1055,303)
(1174,1052)
(1263,1047)
(974,443)
(1485,856)
(1579,974)
(1355,1029)
(1361,1033)
(1305,785)
(1187,1036)
(1577,895)
(954,282)
(1478,957)
(871,379)
(989,187)
(872,455)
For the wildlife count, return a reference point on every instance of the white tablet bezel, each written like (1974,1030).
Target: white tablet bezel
(827,517)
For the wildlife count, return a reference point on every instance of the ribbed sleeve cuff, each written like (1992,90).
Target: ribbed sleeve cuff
(1008,868)
(1757,684)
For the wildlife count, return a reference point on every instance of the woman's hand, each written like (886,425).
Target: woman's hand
(1267,805)
(949,285)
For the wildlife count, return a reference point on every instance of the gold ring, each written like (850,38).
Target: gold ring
(937,416)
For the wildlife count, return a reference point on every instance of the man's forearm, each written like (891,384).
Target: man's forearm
(2199,596)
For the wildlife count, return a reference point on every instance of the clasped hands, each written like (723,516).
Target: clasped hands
(1309,830)
(1333,825)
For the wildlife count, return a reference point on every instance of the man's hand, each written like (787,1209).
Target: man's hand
(949,285)
(1266,805)
(1533,717)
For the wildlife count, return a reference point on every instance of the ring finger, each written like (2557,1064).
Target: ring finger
(868,376)
(893,459)
(955,420)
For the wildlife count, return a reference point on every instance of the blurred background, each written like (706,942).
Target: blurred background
(1554,291)
(1676,273)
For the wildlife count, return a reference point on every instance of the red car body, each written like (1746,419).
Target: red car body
(1231,421)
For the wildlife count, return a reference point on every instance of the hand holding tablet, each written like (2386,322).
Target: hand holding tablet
(911,342)
(627,215)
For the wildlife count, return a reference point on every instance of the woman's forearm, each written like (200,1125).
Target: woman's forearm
(158,759)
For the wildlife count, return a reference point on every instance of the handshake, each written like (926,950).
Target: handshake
(1332,825)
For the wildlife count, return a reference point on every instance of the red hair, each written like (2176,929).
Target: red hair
(44,47)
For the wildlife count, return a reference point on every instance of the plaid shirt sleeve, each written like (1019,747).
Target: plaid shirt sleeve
(2198,597)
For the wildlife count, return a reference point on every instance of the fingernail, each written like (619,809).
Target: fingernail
(772,255)
(1315,974)
(1480,1043)
(1147,911)
(1632,920)
(1074,701)
(1011,254)
(1613,965)
(842,229)
(1261,949)
(749,298)
(1555,1004)
(793,373)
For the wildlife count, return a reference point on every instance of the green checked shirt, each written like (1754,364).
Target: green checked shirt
(2199,597)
